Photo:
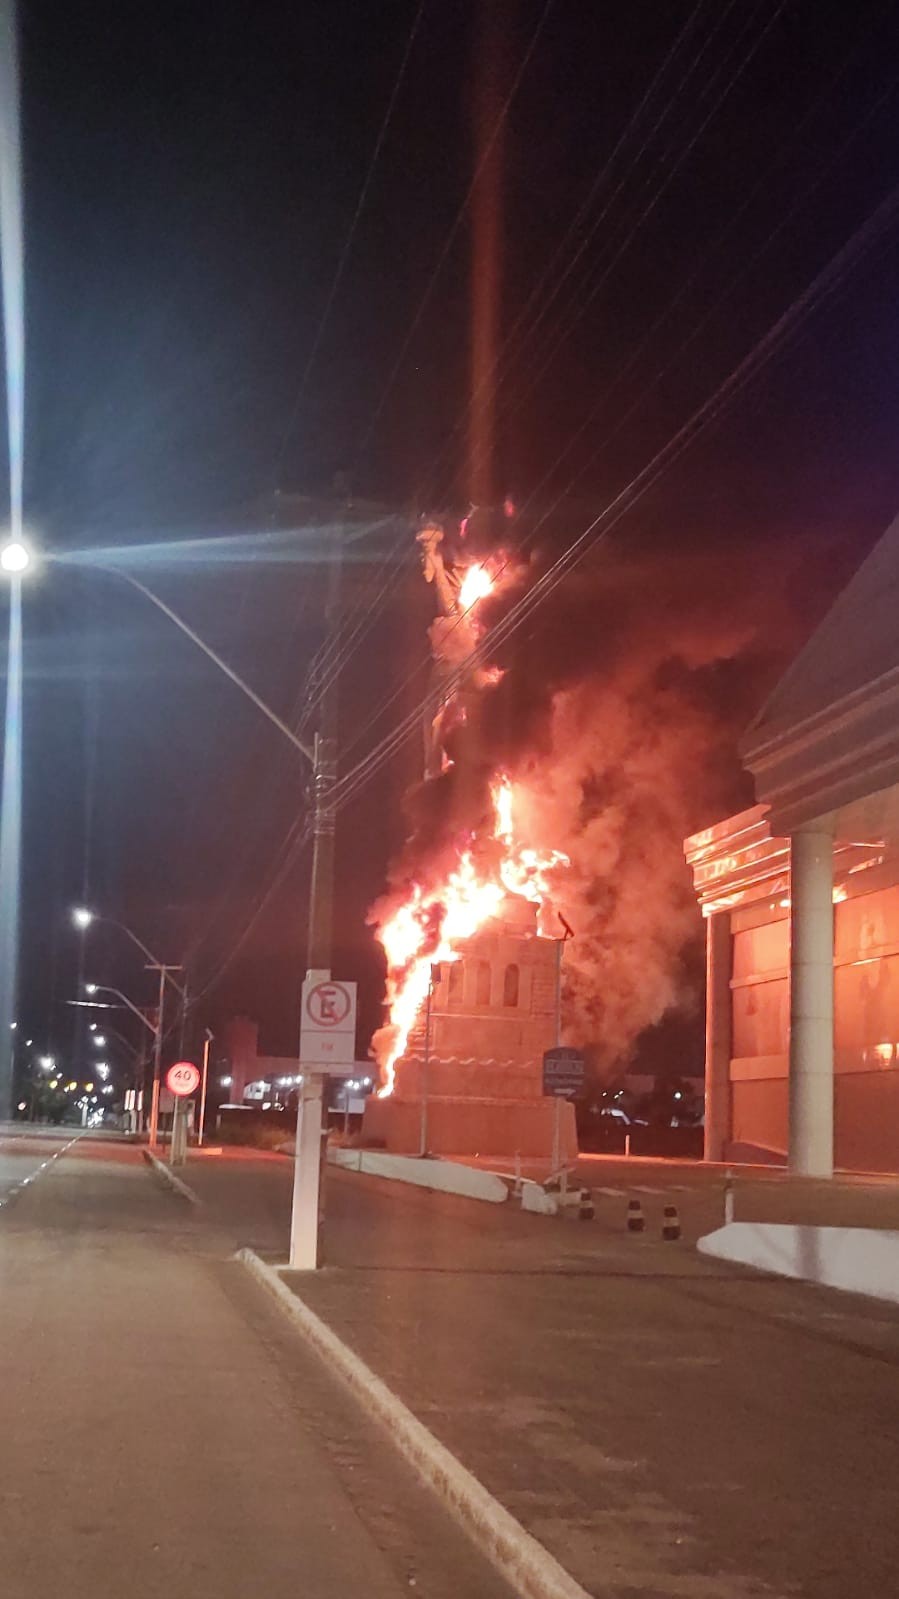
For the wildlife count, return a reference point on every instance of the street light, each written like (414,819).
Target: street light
(100,1040)
(83,918)
(15,557)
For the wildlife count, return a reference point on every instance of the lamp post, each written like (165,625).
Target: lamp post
(14,561)
(322,759)
(202,1127)
(83,919)
(156,1030)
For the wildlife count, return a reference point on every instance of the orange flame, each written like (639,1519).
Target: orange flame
(428,926)
(476,585)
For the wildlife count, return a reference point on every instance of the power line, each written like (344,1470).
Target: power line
(822,287)
(350,238)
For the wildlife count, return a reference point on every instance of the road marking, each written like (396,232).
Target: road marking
(16,1188)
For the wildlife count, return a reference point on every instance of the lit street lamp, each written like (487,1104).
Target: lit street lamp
(83,918)
(15,558)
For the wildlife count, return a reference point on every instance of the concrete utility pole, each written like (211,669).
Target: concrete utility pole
(307,1208)
(163,970)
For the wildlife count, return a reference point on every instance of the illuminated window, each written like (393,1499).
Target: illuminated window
(510,985)
(456,974)
(482,983)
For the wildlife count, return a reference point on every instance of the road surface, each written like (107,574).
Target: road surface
(165,1434)
(665,1424)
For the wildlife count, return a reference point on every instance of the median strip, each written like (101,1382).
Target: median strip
(532,1570)
(168,1176)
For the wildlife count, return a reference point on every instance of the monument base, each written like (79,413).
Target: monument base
(469,1126)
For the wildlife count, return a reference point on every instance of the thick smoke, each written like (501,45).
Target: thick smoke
(617,719)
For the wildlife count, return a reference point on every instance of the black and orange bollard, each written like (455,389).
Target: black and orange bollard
(635,1221)
(670,1224)
(585,1211)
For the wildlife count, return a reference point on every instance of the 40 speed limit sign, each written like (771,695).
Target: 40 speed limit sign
(182,1078)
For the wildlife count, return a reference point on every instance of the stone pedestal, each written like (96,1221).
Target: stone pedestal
(488,1128)
(493,1014)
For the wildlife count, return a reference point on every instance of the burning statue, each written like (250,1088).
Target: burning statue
(473,985)
(453,635)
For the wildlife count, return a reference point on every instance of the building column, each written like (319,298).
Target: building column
(718,963)
(811,1003)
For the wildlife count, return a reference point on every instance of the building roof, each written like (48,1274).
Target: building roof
(828,736)
(856,644)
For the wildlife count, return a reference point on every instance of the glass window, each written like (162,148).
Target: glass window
(510,985)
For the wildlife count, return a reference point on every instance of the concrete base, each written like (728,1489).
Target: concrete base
(483,1127)
(859,1260)
(441,1176)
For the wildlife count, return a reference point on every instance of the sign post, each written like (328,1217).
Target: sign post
(327,1044)
(564,1072)
(181,1080)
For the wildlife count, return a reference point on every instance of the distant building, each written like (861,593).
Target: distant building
(801,896)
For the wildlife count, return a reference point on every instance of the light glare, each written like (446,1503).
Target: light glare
(14,557)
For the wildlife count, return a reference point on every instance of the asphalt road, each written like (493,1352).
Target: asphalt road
(164,1433)
(666,1425)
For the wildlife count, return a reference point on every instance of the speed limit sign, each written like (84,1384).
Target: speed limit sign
(182,1078)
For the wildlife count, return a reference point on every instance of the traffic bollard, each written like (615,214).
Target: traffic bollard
(670,1224)
(635,1221)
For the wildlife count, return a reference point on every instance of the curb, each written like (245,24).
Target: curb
(434,1174)
(531,1570)
(854,1260)
(168,1176)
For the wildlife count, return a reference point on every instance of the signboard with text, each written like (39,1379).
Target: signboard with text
(182,1078)
(564,1072)
(328,1025)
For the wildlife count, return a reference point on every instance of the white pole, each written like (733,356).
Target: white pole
(811,1004)
(157,1063)
(306,1175)
(426,1069)
(719,960)
(206,1042)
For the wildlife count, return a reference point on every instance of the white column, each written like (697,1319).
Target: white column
(811,1003)
(718,964)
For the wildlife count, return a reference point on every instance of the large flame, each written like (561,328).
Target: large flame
(430,923)
(476,585)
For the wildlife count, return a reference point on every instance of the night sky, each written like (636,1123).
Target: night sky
(191,172)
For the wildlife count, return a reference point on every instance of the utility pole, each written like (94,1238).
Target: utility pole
(307,1209)
(163,970)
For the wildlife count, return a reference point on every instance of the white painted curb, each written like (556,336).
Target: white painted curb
(442,1176)
(532,1570)
(535,1198)
(858,1260)
(168,1176)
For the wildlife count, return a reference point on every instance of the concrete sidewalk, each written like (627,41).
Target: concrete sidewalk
(664,1425)
(164,1435)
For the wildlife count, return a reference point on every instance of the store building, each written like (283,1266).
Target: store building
(801,899)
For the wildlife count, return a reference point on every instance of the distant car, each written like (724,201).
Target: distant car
(613,1115)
